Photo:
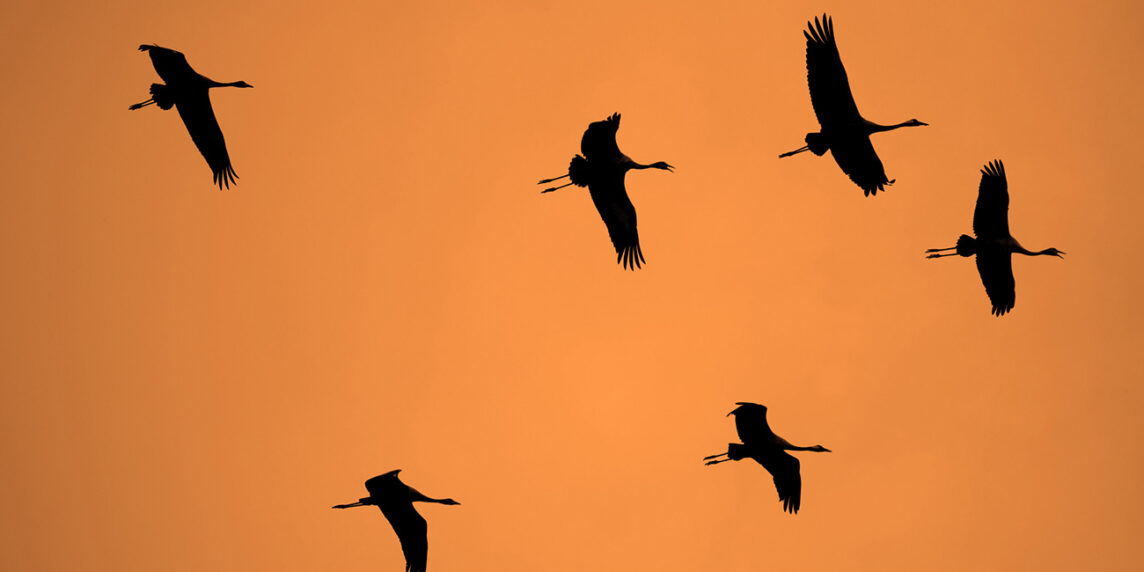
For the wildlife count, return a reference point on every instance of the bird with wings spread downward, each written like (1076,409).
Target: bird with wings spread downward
(767,449)
(188,91)
(602,168)
(845,133)
(395,499)
(994,246)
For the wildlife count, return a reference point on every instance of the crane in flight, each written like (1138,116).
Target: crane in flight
(994,246)
(602,169)
(188,91)
(767,449)
(845,133)
(395,499)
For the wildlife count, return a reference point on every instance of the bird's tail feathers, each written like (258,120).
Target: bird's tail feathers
(736,451)
(162,96)
(817,144)
(578,171)
(966,245)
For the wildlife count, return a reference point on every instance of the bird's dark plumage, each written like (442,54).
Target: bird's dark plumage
(994,245)
(830,93)
(395,499)
(599,140)
(991,223)
(996,270)
(991,215)
(769,450)
(784,468)
(602,168)
(845,133)
(751,423)
(396,504)
(188,91)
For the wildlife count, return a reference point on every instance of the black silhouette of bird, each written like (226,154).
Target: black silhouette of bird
(602,169)
(395,499)
(844,131)
(187,91)
(769,450)
(994,246)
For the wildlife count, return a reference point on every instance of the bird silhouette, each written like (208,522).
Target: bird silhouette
(767,449)
(602,169)
(844,131)
(395,499)
(994,246)
(187,91)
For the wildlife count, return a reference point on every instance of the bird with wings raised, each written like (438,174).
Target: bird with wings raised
(994,246)
(395,499)
(188,92)
(767,449)
(602,168)
(845,133)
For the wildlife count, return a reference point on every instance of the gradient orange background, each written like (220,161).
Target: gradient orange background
(191,378)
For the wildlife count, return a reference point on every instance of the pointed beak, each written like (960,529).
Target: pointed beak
(1060,253)
(923,123)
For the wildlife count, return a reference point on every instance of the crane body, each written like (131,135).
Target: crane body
(603,168)
(395,500)
(845,133)
(767,449)
(189,92)
(993,245)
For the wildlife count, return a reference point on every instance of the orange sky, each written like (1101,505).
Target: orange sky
(190,378)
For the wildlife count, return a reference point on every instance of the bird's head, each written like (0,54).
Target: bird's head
(820,449)
(663,165)
(915,123)
(747,407)
(1054,252)
(449,501)
(241,84)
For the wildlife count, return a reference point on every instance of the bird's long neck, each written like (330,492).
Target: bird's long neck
(361,502)
(629,164)
(213,83)
(1022,250)
(818,448)
(872,127)
(416,496)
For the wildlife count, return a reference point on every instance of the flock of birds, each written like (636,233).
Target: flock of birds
(602,167)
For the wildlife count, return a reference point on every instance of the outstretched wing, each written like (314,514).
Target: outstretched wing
(829,88)
(996,269)
(788,481)
(171,65)
(195,109)
(612,202)
(411,531)
(599,141)
(991,217)
(856,157)
(751,424)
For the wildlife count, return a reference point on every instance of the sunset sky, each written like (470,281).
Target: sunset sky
(190,378)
